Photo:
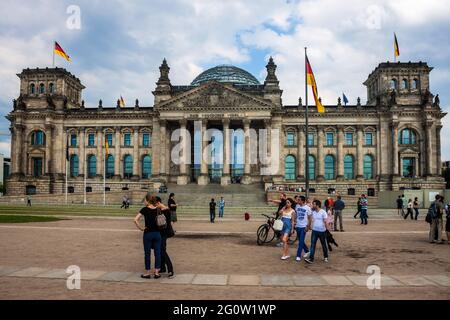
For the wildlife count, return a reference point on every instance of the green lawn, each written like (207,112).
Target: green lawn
(4,218)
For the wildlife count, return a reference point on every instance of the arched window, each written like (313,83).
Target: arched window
(312,167)
(329,167)
(393,84)
(110,166)
(289,167)
(146,167)
(38,138)
(127,166)
(349,168)
(404,84)
(92,166)
(368,166)
(74,166)
(407,136)
(41,88)
(415,84)
(32,88)
(51,88)
(290,138)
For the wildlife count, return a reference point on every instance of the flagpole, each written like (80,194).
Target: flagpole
(104,178)
(53,51)
(306,131)
(84,169)
(67,146)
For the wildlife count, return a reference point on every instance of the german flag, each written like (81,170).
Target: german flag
(312,82)
(121,102)
(396,48)
(59,51)
(106,147)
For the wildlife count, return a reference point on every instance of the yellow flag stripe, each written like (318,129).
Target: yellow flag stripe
(65,56)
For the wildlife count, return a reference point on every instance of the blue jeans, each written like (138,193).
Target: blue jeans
(363,216)
(152,239)
(221,212)
(321,236)
(212,215)
(301,241)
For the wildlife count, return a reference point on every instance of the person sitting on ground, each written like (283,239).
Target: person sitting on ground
(287,216)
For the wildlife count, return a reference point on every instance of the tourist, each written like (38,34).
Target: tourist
(221,207)
(329,204)
(416,206)
(339,206)
(173,209)
(212,210)
(318,226)
(124,202)
(441,221)
(400,206)
(166,233)
(302,215)
(281,204)
(447,226)
(287,215)
(358,206)
(435,210)
(152,236)
(364,203)
(28,201)
(409,209)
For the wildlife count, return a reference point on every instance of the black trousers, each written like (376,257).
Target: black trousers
(409,211)
(165,259)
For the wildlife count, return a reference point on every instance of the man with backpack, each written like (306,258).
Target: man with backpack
(434,217)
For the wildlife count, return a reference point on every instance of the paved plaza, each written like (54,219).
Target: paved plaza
(220,261)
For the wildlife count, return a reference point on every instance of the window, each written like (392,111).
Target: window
(127,166)
(330,139)
(92,166)
(368,139)
(74,166)
(146,167)
(71,189)
(32,88)
(37,167)
(371,192)
(415,84)
(368,166)
(41,88)
(408,167)
(349,138)
(311,139)
(349,171)
(107,189)
(290,139)
(329,167)
(146,139)
(312,190)
(29,190)
(351,191)
(51,88)
(88,189)
(312,167)
(127,139)
(331,190)
(110,166)
(404,84)
(38,138)
(393,84)
(407,136)
(73,140)
(109,138)
(289,168)
(91,139)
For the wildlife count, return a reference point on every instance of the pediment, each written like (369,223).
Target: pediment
(408,151)
(215,96)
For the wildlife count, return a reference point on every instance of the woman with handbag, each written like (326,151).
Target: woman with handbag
(287,215)
(167,232)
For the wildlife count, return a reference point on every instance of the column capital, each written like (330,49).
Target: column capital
(136,128)
(183,122)
(226,122)
(162,122)
(360,127)
(267,122)
(246,122)
(117,128)
(428,124)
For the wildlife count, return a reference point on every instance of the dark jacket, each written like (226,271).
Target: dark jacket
(339,205)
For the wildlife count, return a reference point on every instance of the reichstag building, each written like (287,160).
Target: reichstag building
(389,143)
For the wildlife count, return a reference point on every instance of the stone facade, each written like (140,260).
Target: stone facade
(391,142)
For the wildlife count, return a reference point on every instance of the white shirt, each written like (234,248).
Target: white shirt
(302,215)
(287,213)
(318,223)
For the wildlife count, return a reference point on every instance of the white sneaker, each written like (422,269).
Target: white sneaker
(306,255)
(298,259)
(326,259)
(285,257)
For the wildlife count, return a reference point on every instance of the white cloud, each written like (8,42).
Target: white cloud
(5,148)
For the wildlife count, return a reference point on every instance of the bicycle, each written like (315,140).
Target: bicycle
(266,233)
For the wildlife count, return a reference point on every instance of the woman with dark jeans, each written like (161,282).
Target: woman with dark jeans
(416,207)
(358,204)
(152,236)
(165,234)
(409,209)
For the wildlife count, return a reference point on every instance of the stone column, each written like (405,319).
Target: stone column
(162,149)
(203,179)
(183,178)
(360,154)
(155,144)
(301,153)
(82,151)
(118,163)
(247,178)
(100,143)
(16,144)
(340,153)
(395,169)
(429,146)
(136,159)
(320,155)
(48,149)
(438,150)
(226,178)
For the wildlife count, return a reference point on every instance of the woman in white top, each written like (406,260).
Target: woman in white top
(409,209)
(287,214)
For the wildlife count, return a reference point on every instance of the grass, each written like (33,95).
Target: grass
(6,218)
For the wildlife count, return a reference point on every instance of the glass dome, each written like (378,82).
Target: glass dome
(227,74)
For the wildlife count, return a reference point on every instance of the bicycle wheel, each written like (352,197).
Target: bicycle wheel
(270,235)
(293,238)
(261,234)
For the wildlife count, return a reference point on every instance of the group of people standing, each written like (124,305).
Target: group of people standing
(156,231)
(412,207)
(436,212)
(212,209)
